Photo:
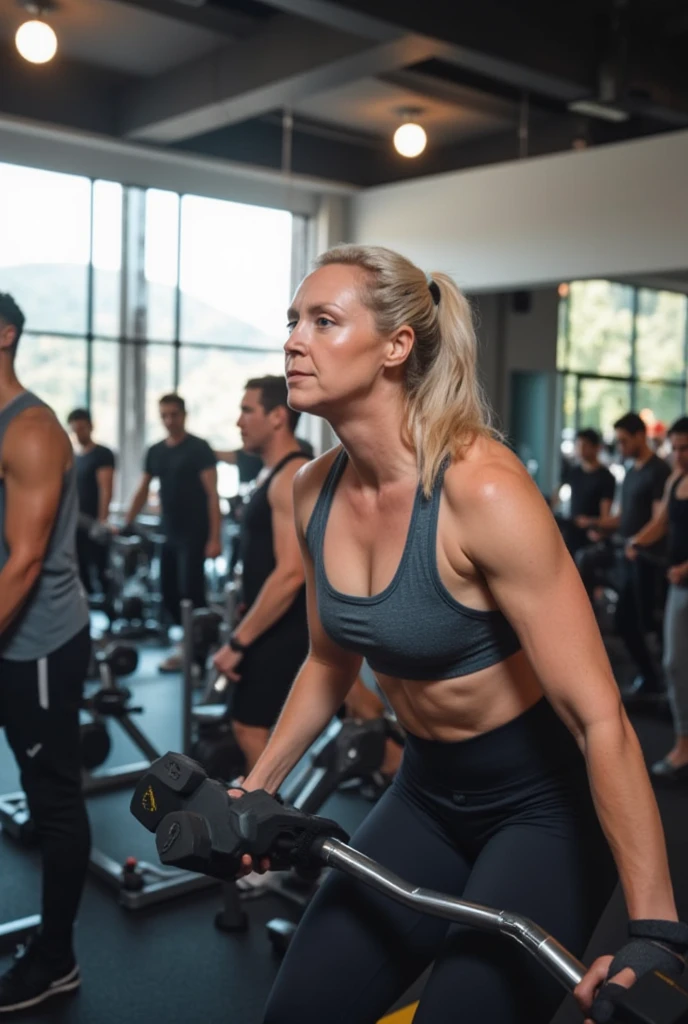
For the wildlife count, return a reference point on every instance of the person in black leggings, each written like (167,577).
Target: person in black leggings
(429,551)
(44,654)
(639,594)
(451,823)
(671,521)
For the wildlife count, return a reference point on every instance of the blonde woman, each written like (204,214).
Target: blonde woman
(428,550)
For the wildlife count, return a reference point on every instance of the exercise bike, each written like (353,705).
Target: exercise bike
(199,827)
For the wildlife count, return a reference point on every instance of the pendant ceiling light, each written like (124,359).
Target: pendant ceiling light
(410,138)
(35,39)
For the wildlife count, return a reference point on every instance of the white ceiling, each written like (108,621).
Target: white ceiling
(371,106)
(118,36)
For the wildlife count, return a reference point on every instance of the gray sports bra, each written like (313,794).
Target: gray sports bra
(414,628)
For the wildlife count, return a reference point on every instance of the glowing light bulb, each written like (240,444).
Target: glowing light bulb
(410,139)
(36,41)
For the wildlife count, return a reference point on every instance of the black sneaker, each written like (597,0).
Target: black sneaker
(643,690)
(665,771)
(34,979)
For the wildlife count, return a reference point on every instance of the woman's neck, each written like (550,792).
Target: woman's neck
(373,437)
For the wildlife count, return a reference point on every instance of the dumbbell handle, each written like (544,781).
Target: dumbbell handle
(558,961)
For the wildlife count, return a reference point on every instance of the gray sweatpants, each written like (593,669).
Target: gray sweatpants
(676,656)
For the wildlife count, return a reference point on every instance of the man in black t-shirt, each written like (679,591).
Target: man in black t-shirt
(641,496)
(95,474)
(190,511)
(592,490)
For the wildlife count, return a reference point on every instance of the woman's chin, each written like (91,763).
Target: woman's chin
(300,402)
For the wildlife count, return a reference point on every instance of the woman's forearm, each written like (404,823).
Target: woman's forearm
(318,692)
(629,816)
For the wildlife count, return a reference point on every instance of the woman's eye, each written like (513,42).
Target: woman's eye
(323,321)
(291,325)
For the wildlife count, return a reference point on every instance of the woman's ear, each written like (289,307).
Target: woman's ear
(399,346)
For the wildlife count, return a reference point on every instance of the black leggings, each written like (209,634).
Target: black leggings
(635,612)
(182,575)
(93,561)
(39,708)
(504,819)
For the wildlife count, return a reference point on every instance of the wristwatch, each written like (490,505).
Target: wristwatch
(237,646)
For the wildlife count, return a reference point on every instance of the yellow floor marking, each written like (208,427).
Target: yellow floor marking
(404,1016)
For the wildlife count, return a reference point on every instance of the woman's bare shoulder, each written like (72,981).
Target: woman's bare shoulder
(313,474)
(485,467)
(308,482)
(498,505)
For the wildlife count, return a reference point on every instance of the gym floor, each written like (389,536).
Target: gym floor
(168,963)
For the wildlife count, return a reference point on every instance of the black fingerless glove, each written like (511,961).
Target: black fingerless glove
(654,946)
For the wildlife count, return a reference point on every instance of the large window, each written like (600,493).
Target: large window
(213,383)
(107,259)
(160,366)
(162,264)
(61,259)
(46,241)
(661,335)
(131,293)
(601,402)
(235,272)
(621,348)
(105,389)
(600,328)
(55,368)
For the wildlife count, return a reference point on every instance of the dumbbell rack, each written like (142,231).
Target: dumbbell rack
(137,883)
(130,547)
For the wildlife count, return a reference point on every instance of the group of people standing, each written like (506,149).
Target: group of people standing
(273,623)
(644,541)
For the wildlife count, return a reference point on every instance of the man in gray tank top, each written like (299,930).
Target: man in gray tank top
(44,654)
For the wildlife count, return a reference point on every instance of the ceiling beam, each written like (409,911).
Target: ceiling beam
(364,163)
(223,20)
(548,56)
(497,42)
(287,60)
(461,96)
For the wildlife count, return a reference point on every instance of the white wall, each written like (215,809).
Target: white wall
(619,209)
(508,341)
